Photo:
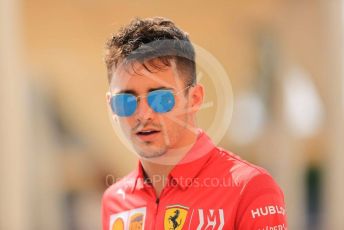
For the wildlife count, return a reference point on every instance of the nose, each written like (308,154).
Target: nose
(144,112)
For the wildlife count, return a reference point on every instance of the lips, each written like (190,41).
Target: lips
(147,132)
(148,135)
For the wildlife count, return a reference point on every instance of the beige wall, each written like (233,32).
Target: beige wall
(64,43)
(62,49)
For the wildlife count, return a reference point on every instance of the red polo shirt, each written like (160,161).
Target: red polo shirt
(209,189)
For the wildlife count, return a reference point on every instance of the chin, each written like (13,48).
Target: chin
(150,153)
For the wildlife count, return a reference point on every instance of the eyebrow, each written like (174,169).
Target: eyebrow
(162,87)
(130,91)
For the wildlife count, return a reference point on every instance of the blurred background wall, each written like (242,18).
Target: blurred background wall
(57,146)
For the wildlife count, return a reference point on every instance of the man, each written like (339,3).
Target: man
(183,181)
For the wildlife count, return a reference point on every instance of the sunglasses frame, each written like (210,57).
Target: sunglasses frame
(139,97)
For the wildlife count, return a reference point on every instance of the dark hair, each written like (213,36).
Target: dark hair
(148,40)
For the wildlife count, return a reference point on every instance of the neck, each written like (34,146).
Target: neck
(157,172)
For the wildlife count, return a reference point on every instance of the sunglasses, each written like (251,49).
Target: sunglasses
(160,101)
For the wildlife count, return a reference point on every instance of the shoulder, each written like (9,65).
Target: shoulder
(249,180)
(114,195)
(260,199)
(116,186)
(241,172)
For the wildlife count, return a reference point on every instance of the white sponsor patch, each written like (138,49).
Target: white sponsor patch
(131,219)
(211,219)
(267,210)
(275,227)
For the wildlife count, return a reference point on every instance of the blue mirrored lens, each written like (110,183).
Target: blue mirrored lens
(161,101)
(123,104)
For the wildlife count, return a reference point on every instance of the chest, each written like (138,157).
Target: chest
(177,209)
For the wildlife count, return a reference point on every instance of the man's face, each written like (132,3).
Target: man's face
(153,134)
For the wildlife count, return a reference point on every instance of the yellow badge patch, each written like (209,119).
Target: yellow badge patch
(118,224)
(175,216)
(136,222)
(133,219)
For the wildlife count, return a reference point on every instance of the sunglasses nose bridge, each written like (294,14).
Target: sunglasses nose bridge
(143,110)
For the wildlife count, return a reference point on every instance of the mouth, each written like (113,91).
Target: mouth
(148,134)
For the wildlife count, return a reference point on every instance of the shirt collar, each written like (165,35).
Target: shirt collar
(139,177)
(191,165)
(188,168)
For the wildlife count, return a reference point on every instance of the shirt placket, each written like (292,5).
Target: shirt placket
(157,208)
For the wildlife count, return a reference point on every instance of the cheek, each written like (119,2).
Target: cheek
(181,111)
(126,124)
(174,121)
(173,129)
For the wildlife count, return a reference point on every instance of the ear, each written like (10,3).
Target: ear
(108,98)
(197,95)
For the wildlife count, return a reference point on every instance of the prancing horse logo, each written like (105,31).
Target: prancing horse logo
(175,217)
